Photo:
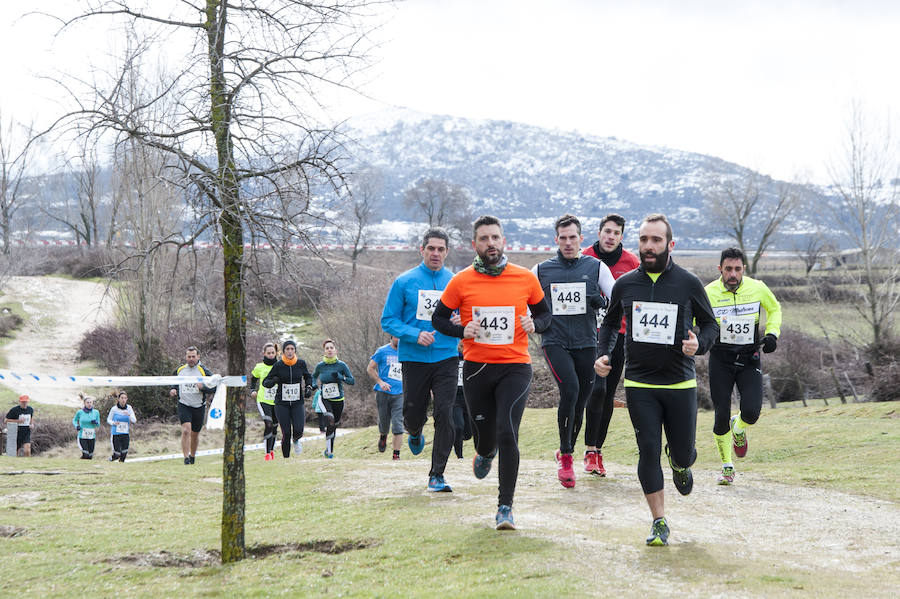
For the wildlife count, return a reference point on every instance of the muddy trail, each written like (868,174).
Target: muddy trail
(755,529)
(59,312)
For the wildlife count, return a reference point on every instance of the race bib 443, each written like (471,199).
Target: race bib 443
(497,325)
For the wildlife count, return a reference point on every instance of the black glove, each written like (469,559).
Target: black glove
(78,428)
(274,378)
(307,393)
(769,343)
(336,376)
(598,301)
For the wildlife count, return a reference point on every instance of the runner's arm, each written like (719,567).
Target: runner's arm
(612,322)
(704,317)
(541,315)
(440,320)
(272,378)
(606,281)
(392,316)
(372,371)
(773,310)
(348,377)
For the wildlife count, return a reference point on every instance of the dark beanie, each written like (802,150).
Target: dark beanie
(288,342)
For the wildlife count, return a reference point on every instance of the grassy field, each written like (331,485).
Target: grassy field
(360,526)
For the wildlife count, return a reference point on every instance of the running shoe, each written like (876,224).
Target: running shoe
(416,443)
(481,465)
(396,456)
(659,533)
(600,471)
(437,484)
(298,447)
(682,477)
(328,455)
(382,443)
(590,461)
(727,476)
(565,474)
(269,457)
(504,518)
(187,461)
(738,440)
(191,458)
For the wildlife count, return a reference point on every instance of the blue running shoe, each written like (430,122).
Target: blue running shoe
(330,456)
(416,443)
(504,518)
(659,533)
(481,465)
(437,484)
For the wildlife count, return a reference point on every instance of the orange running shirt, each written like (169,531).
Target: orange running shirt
(500,302)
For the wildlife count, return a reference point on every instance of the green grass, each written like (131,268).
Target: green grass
(840,320)
(353,528)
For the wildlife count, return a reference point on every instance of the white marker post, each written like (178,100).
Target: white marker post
(12,435)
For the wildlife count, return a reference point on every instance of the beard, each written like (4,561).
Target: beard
(659,264)
(732,284)
(491,260)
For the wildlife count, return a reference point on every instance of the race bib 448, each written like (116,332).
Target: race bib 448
(568,298)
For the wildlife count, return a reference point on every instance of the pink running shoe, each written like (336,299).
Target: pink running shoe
(566,473)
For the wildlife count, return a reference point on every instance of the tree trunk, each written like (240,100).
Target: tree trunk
(228,197)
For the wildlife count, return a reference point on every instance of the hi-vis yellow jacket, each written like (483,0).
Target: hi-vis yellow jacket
(736,307)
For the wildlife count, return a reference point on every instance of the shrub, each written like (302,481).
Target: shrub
(51,432)
(795,369)
(9,322)
(352,318)
(887,383)
(109,346)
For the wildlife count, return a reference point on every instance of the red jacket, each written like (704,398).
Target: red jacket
(626,263)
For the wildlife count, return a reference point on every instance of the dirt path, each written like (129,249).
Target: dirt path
(59,312)
(739,534)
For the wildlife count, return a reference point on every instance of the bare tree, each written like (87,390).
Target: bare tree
(82,213)
(16,149)
(749,212)
(866,180)
(356,216)
(240,140)
(813,250)
(443,204)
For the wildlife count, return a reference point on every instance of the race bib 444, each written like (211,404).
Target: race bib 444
(653,322)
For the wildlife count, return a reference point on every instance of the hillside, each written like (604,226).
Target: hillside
(524,174)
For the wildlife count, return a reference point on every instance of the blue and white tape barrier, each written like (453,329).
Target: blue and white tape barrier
(58,380)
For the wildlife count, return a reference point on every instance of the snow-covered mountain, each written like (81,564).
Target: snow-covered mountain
(528,176)
(523,174)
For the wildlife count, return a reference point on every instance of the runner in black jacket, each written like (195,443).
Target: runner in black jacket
(294,383)
(660,301)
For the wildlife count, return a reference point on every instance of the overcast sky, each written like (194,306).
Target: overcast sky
(764,83)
